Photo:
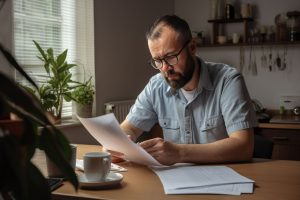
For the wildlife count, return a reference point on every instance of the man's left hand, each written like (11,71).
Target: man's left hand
(165,152)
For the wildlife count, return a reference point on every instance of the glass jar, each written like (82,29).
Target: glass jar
(293,24)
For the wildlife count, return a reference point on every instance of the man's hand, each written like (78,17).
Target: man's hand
(165,152)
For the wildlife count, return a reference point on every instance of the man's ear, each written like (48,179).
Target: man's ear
(193,46)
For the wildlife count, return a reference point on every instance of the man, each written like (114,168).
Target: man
(203,108)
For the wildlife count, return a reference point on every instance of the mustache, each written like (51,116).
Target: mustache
(170,72)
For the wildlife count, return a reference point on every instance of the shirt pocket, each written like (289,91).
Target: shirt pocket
(170,129)
(214,129)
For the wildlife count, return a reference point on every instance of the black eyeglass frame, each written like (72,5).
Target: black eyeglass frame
(152,60)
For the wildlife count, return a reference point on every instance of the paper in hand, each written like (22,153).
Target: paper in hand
(106,130)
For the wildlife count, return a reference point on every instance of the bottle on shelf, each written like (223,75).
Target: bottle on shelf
(229,9)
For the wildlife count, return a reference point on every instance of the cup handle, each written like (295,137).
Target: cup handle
(107,164)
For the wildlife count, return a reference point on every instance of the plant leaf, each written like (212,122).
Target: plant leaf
(57,148)
(40,50)
(19,97)
(37,183)
(61,58)
(14,63)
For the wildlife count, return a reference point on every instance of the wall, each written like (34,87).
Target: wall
(6,36)
(121,51)
(267,86)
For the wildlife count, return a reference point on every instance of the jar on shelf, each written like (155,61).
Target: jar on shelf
(217,9)
(293,24)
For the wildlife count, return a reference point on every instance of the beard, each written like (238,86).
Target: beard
(183,78)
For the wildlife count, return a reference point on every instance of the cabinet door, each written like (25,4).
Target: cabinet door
(286,142)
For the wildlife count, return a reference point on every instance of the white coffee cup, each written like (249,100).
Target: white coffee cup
(96,165)
(54,171)
(235,38)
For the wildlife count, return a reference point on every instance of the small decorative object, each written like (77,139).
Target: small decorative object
(246,10)
(199,37)
(222,39)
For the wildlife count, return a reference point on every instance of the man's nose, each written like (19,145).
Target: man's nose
(166,66)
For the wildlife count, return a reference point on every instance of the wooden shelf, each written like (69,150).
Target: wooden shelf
(216,23)
(280,43)
(225,21)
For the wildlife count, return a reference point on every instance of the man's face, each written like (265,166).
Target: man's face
(167,45)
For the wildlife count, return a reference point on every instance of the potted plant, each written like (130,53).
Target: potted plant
(19,177)
(57,86)
(83,98)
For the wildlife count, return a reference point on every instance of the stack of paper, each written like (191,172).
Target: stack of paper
(203,179)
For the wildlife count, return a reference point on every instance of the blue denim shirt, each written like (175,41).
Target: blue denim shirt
(221,105)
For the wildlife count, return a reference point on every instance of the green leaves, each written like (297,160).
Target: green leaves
(61,58)
(57,143)
(18,174)
(58,82)
(84,93)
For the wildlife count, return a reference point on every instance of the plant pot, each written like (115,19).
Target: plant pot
(53,119)
(84,111)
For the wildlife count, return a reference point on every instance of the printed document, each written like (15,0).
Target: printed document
(197,179)
(106,130)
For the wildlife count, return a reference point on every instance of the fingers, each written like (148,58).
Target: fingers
(130,137)
(150,143)
(115,153)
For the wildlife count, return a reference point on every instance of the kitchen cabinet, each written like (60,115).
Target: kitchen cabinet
(285,137)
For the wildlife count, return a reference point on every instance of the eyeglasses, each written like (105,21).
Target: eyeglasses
(170,60)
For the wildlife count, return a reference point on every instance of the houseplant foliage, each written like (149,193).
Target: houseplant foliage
(84,92)
(58,81)
(19,177)
(83,97)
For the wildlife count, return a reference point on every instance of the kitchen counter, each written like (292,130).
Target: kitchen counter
(285,138)
(279,126)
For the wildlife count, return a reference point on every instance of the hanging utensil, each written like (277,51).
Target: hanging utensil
(270,59)
(242,59)
(278,60)
(254,66)
(283,66)
(264,59)
(250,59)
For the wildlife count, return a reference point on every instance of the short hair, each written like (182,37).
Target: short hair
(176,23)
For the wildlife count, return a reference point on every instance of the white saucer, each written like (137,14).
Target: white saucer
(111,180)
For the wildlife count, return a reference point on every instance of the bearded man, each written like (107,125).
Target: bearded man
(203,108)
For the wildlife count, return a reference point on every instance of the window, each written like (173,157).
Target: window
(59,24)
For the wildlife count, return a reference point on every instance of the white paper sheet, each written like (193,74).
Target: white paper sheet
(203,179)
(106,130)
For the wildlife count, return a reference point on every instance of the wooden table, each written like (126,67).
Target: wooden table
(274,179)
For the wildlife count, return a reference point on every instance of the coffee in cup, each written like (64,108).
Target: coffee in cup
(96,165)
